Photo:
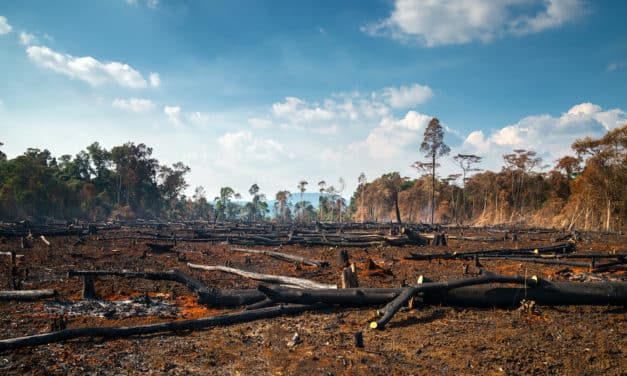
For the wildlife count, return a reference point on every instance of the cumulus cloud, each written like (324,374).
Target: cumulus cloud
(352,106)
(243,144)
(87,68)
(393,136)
(5,28)
(173,113)
(407,96)
(442,22)
(548,135)
(155,79)
(259,123)
(27,39)
(134,104)
(176,115)
(299,110)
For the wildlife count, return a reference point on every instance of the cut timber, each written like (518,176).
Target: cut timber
(291,281)
(171,275)
(43,239)
(505,252)
(408,292)
(552,294)
(545,294)
(357,297)
(284,257)
(23,295)
(349,277)
(342,258)
(122,332)
(160,248)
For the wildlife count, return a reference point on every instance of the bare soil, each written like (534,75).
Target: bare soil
(565,340)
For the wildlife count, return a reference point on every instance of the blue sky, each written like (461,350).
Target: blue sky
(274,92)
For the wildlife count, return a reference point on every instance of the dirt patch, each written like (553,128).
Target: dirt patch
(424,340)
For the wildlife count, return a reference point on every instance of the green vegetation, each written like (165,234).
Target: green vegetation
(586,190)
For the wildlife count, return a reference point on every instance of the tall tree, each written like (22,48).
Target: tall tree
(322,187)
(254,191)
(282,205)
(392,185)
(465,162)
(302,187)
(434,147)
(605,174)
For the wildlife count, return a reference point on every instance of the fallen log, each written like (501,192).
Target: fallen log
(123,332)
(171,275)
(410,291)
(25,295)
(547,294)
(269,278)
(284,257)
(522,252)
(591,265)
(552,294)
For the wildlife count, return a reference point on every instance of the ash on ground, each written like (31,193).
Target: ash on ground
(120,309)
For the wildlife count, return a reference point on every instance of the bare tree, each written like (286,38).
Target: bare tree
(302,187)
(433,145)
(254,192)
(465,162)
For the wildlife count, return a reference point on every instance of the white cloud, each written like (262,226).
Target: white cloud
(352,106)
(149,3)
(616,65)
(173,113)
(176,115)
(299,110)
(442,22)
(134,104)
(5,28)
(392,137)
(259,123)
(155,79)
(549,136)
(87,68)
(243,144)
(27,39)
(407,96)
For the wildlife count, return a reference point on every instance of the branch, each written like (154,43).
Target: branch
(22,295)
(122,332)
(284,257)
(408,292)
(171,275)
(291,281)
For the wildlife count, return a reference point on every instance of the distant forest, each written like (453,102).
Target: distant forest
(586,190)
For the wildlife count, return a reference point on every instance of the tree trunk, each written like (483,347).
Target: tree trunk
(433,189)
(22,295)
(398,212)
(291,281)
(123,332)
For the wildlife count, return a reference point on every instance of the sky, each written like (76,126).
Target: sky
(274,92)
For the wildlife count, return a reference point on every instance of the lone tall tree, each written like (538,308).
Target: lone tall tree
(433,144)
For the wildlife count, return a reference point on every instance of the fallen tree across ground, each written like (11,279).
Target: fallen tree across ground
(284,257)
(269,278)
(24,295)
(122,332)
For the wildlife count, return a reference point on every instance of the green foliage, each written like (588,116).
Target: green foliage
(94,184)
